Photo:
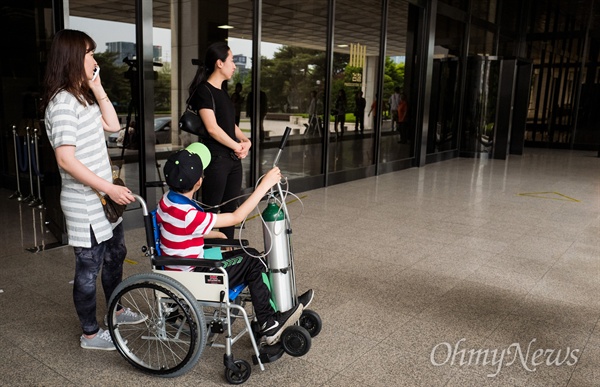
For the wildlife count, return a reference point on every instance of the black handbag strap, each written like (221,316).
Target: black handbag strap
(211,97)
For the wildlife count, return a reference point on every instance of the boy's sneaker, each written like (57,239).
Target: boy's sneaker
(128,317)
(101,341)
(306,298)
(272,329)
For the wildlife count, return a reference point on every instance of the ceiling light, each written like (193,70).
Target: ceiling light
(225,27)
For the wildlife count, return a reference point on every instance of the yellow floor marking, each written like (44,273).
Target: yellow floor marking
(549,195)
(130,261)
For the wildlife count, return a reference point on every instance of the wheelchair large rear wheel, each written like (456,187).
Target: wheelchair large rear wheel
(171,339)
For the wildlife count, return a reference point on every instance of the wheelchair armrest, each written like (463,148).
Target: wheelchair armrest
(218,242)
(165,260)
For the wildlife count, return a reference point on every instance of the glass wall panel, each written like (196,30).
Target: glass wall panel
(461,4)
(485,9)
(239,32)
(355,61)
(445,90)
(481,41)
(292,83)
(163,117)
(481,100)
(27,29)
(397,135)
(510,15)
(116,55)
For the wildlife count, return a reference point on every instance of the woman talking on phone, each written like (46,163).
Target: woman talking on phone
(226,142)
(77,112)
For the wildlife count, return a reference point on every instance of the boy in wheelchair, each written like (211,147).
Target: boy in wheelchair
(184,225)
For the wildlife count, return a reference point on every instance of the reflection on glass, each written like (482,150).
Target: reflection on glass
(481,97)
(355,61)
(239,88)
(293,80)
(444,107)
(115,54)
(397,126)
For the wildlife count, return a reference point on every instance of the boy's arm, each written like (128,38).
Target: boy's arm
(233,218)
(213,234)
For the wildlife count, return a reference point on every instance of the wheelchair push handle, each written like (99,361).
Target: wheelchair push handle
(284,138)
(142,202)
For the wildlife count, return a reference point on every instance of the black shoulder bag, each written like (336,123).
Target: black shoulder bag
(191,121)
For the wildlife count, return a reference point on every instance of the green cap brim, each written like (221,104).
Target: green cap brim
(201,150)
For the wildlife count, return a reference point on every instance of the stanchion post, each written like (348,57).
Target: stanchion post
(17,195)
(37,202)
(27,149)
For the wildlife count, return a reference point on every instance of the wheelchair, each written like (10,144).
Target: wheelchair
(187,311)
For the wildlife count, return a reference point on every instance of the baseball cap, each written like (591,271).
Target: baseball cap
(182,170)
(201,150)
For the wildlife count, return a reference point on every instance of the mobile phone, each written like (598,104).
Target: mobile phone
(96,72)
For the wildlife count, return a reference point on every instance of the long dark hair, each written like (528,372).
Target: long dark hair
(214,52)
(65,69)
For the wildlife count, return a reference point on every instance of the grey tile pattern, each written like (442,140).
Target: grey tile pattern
(469,254)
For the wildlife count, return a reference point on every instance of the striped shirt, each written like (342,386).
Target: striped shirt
(70,123)
(182,225)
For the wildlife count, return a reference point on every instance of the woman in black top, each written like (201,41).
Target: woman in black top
(227,144)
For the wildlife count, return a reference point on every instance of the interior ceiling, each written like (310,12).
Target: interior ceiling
(291,22)
(303,22)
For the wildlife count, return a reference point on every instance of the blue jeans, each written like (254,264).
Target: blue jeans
(109,257)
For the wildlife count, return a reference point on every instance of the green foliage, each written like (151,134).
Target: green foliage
(113,80)
(290,76)
(293,72)
(393,76)
(118,86)
(162,89)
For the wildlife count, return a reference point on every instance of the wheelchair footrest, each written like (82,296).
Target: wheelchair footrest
(269,353)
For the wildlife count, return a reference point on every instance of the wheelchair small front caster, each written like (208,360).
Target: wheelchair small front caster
(239,372)
(311,321)
(296,341)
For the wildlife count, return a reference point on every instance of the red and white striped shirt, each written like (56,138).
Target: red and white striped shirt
(183,225)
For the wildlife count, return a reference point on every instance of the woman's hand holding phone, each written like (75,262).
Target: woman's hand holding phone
(96,72)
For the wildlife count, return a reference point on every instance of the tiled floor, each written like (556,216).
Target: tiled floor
(462,273)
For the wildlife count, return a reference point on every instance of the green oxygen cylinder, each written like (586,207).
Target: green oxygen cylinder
(277,245)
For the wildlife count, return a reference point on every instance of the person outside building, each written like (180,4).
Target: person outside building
(238,100)
(313,119)
(226,142)
(373,110)
(263,113)
(402,111)
(183,226)
(340,112)
(77,111)
(359,112)
(394,102)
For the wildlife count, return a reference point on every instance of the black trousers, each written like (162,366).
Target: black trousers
(360,121)
(250,270)
(222,182)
